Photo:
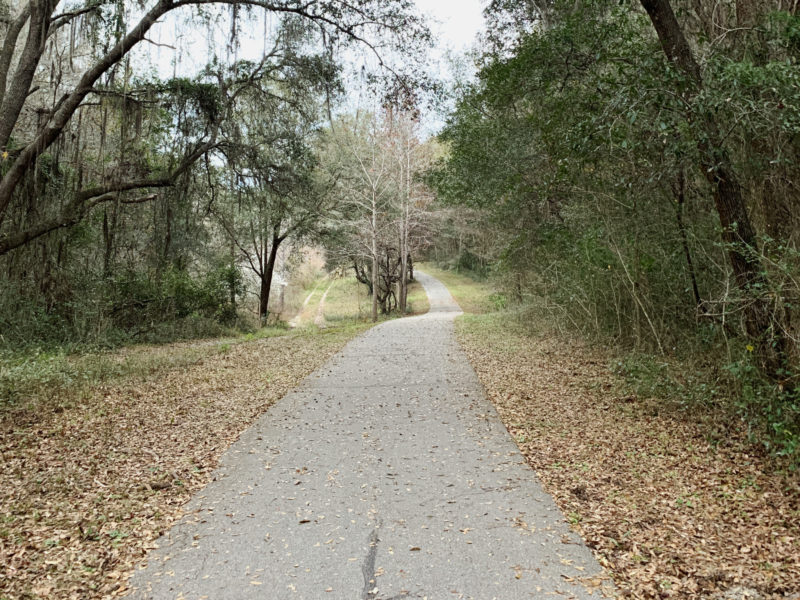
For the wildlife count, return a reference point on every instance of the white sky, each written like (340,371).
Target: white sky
(453,23)
(459,21)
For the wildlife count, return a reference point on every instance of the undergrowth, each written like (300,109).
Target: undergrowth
(731,398)
(689,382)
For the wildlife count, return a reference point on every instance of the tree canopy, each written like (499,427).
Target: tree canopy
(637,161)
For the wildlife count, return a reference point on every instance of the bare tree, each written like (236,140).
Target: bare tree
(411,159)
(357,151)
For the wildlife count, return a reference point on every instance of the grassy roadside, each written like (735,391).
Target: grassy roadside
(306,313)
(100,452)
(32,378)
(669,510)
(36,377)
(346,292)
(343,295)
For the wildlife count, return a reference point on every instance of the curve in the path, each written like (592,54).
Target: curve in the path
(386,475)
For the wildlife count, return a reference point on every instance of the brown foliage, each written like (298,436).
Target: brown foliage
(668,513)
(87,487)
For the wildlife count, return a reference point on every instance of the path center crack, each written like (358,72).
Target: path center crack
(368,567)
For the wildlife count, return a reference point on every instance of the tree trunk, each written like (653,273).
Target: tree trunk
(17,92)
(47,135)
(403,296)
(266,279)
(108,244)
(232,282)
(738,232)
(374,280)
(374,259)
(167,245)
(10,42)
(680,199)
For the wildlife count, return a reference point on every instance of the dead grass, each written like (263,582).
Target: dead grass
(668,513)
(344,295)
(88,483)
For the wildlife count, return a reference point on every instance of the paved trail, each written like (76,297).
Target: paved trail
(386,475)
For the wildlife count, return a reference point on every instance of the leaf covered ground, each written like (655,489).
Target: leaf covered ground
(90,477)
(98,452)
(670,507)
(668,512)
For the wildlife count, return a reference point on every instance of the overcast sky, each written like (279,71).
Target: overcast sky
(454,25)
(459,21)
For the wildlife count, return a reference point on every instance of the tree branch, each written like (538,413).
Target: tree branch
(77,209)
(353,19)
(65,18)
(72,214)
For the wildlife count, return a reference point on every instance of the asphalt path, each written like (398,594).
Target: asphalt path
(385,475)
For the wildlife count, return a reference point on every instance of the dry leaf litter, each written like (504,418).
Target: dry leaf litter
(669,514)
(88,485)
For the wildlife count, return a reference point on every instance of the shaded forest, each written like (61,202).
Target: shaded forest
(638,160)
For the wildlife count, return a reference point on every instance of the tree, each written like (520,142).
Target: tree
(378,161)
(277,193)
(273,189)
(24,147)
(357,154)
(411,159)
(110,175)
(738,232)
(630,178)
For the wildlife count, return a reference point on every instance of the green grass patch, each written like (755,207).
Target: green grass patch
(59,377)
(347,300)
